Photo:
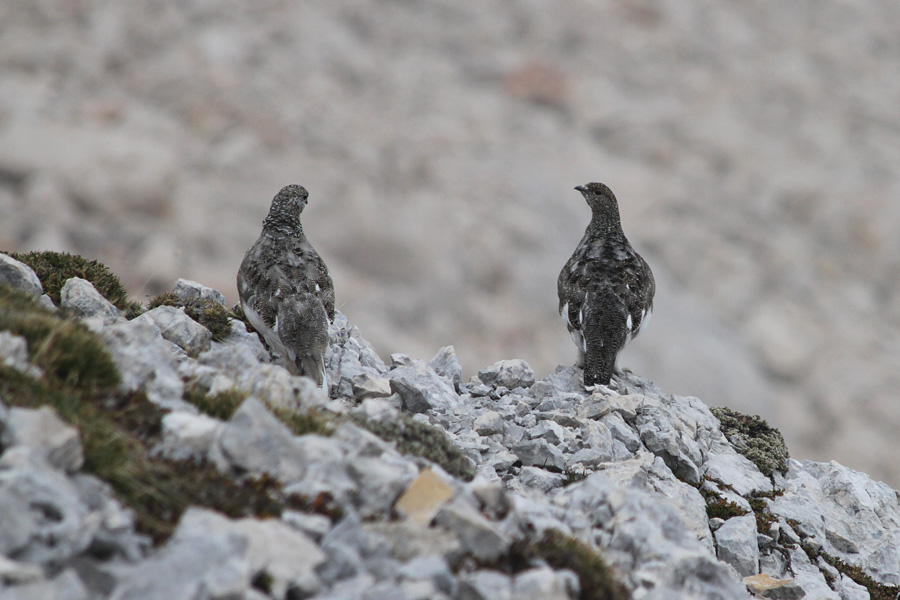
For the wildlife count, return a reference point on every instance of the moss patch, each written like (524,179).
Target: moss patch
(877,591)
(420,439)
(561,551)
(224,404)
(717,506)
(574,476)
(752,437)
(764,517)
(208,313)
(55,268)
(118,429)
(67,351)
(117,433)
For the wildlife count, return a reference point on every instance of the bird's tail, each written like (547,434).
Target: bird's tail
(314,368)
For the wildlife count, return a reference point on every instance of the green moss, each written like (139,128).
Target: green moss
(118,432)
(55,268)
(311,421)
(717,506)
(208,313)
(596,578)
(723,509)
(224,404)
(877,590)
(221,406)
(561,551)
(573,476)
(262,581)
(64,349)
(420,439)
(752,437)
(764,517)
(237,312)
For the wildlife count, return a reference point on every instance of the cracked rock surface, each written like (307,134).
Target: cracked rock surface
(630,471)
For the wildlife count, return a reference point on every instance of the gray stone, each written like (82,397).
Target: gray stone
(541,583)
(79,296)
(540,479)
(65,586)
(649,473)
(670,442)
(855,518)
(180,329)
(240,336)
(485,585)
(366,385)
(446,364)
(14,354)
(271,384)
(204,558)
(188,435)
(736,544)
(489,423)
(185,289)
(16,573)
(723,463)
(288,556)
(422,389)
(380,410)
(343,547)
(313,525)
(254,440)
(147,362)
(380,481)
(46,435)
(552,432)
(510,374)
(597,437)
(431,567)
(47,302)
(646,539)
(16,521)
(478,536)
(43,516)
(19,275)
(540,453)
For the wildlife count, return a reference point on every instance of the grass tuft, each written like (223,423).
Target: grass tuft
(877,590)
(560,551)
(751,436)
(66,351)
(55,268)
(573,476)
(420,439)
(208,313)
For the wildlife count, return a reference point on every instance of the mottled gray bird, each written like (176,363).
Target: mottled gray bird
(285,289)
(605,290)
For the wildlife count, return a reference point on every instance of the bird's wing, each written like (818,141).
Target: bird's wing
(303,329)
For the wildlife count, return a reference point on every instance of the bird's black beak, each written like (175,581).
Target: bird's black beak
(580,188)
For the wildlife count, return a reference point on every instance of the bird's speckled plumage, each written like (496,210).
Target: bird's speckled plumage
(285,289)
(605,290)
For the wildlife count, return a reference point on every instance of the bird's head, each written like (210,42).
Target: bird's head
(286,207)
(603,205)
(598,196)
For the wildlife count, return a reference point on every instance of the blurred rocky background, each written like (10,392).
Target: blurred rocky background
(755,151)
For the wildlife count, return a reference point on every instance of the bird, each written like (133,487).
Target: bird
(605,289)
(285,289)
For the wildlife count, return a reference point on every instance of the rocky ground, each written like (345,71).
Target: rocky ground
(408,482)
(754,150)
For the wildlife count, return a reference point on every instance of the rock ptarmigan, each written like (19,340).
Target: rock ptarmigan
(285,289)
(605,290)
